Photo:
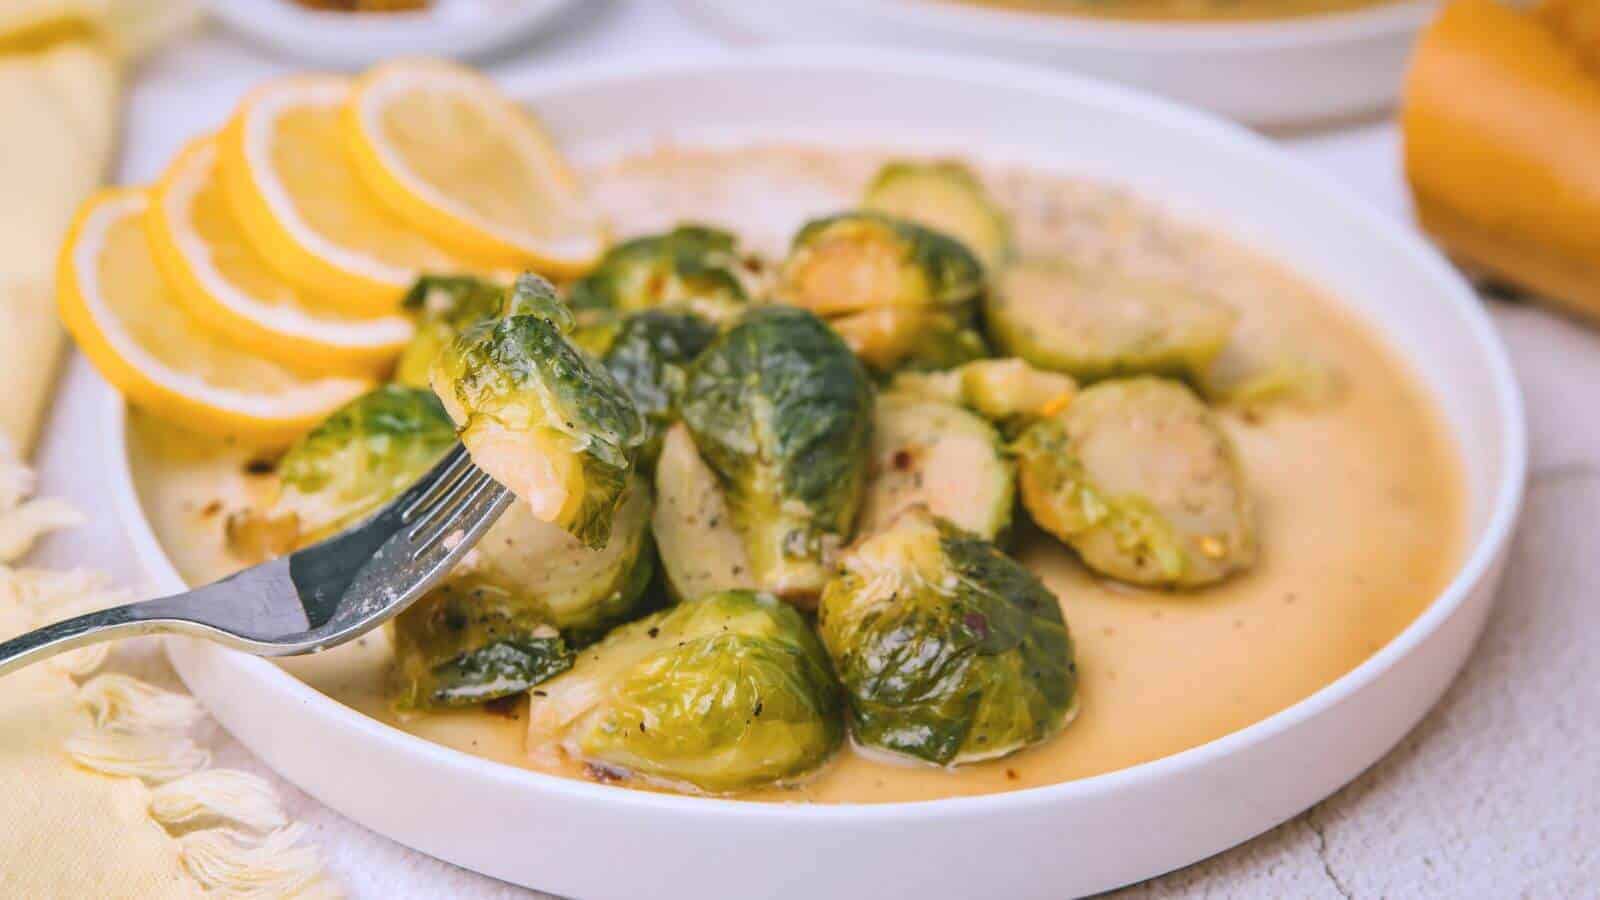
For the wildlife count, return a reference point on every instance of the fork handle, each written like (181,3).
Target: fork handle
(89,628)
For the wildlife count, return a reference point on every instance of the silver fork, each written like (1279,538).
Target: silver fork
(315,598)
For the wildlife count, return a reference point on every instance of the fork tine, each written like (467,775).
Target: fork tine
(446,505)
(468,517)
(445,473)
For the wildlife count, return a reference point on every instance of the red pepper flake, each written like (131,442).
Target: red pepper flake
(902,460)
(977,622)
(211,509)
(1012,774)
(259,467)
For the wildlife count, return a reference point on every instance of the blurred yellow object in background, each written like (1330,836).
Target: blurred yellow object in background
(59,73)
(1502,144)
(59,109)
(1578,23)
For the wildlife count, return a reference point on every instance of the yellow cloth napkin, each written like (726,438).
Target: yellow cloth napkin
(106,793)
(58,104)
(69,832)
(60,67)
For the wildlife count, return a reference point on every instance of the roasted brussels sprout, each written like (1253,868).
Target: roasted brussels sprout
(781,411)
(359,458)
(469,641)
(701,551)
(1261,367)
(945,344)
(1094,324)
(947,197)
(445,306)
(649,354)
(511,615)
(540,415)
(1008,392)
(1140,479)
(883,283)
(726,692)
(950,651)
(934,454)
(692,267)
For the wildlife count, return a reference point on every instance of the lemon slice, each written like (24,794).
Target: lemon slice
(225,285)
(294,190)
(464,164)
(124,317)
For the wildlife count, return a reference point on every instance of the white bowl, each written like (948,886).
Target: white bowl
(1283,72)
(594,841)
(465,29)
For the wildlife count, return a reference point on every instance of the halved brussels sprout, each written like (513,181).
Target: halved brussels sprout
(1261,367)
(781,411)
(701,551)
(945,343)
(883,283)
(1139,478)
(511,614)
(1095,324)
(445,306)
(541,416)
(946,196)
(649,353)
(950,651)
(360,457)
(726,692)
(469,641)
(933,454)
(1009,392)
(692,266)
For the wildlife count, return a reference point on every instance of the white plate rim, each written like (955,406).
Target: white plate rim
(1135,36)
(1504,506)
(309,33)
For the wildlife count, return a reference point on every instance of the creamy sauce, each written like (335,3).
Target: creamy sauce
(1179,10)
(1360,500)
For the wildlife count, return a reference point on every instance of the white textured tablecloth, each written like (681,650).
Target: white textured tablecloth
(1496,794)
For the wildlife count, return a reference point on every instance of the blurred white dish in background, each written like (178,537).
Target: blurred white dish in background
(462,29)
(1266,72)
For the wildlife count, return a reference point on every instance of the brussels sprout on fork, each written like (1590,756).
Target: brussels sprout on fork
(540,415)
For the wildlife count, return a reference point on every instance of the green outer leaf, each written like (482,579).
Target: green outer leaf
(523,374)
(692,266)
(955,277)
(446,305)
(473,640)
(649,353)
(781,411)
(924,191)
(466,641)
(364,454)
(950,652)
(726,692)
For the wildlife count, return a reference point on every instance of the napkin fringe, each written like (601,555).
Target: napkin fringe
(232,834)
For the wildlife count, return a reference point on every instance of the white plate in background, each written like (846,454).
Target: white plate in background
(463,29)
(596,841)
(1294,71)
